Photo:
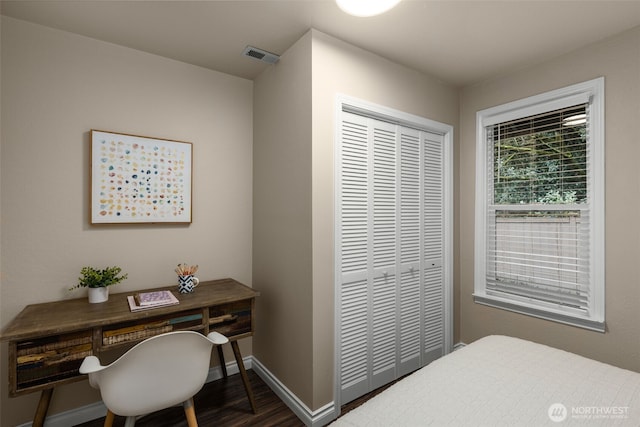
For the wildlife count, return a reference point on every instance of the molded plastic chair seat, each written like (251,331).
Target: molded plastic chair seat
(157,373)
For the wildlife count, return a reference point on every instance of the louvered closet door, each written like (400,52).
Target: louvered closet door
(354,256)
(390,252)
(383,235)
(433,246)
(410,256)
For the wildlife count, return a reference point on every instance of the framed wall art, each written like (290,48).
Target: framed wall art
(137,179)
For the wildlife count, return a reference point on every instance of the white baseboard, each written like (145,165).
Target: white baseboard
(98,410)
(317,418)
(458,346)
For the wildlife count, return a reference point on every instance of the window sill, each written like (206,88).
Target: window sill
(531,310)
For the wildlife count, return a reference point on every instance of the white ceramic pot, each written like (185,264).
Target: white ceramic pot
(97,295)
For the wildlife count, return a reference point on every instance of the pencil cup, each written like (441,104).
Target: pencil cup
(187,284)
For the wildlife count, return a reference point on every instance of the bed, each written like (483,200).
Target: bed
(504,381)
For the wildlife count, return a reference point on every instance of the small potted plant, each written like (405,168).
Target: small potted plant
(98,281)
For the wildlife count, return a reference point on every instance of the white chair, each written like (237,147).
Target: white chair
(155,374)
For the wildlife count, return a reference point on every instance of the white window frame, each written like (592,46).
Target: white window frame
(592,92)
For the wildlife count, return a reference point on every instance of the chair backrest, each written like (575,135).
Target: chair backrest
(157,373)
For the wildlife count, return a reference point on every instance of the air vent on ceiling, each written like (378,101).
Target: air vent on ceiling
(262,55)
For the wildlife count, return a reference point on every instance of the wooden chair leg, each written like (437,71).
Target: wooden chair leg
(223,365)
(108,420)
(190,413)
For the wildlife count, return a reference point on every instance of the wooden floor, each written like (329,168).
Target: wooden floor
(224,403)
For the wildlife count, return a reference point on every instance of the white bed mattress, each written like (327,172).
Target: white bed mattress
(503,381)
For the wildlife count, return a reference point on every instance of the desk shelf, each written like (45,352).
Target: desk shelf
(232,319)
(135,331)
(40,361)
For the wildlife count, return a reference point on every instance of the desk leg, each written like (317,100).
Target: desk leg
(243,373)
(43,407)
(223,365)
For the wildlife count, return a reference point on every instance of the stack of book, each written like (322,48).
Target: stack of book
(42,360)
(135,332)
(149,300)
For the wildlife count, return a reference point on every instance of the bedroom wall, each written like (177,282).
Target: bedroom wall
(56,86)
(294,107)
(618,60)
(282,219)
(341,68)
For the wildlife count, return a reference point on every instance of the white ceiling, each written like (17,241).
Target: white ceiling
(460,42)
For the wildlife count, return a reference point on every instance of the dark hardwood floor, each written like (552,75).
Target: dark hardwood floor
(224,403)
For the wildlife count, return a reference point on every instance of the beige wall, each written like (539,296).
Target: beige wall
(293,196)
(340,68)
(618,60)
(57,86)
(282,219)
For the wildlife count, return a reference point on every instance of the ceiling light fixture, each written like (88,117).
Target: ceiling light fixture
(364,8)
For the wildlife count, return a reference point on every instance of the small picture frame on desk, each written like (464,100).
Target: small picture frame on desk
(138,179)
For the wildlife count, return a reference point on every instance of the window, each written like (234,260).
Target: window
(540,206)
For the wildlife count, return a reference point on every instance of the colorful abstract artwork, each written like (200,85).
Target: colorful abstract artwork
(136,179)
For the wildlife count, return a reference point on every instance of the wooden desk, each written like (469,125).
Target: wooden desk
(48,342)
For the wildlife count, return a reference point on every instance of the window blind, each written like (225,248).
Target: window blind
(538,208)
